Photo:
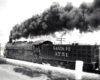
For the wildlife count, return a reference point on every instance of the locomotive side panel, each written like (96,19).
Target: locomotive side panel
(20,51)
(15,53)
(28,55)
(69,53)
(55,52)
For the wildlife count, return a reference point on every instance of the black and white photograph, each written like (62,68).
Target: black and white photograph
(49,39)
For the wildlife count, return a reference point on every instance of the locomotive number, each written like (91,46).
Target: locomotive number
(63,54)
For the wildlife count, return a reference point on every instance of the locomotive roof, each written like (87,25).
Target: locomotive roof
(35,42)
(24,44)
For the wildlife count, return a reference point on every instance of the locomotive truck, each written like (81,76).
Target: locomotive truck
(56,55)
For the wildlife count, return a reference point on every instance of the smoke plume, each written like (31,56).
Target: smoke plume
(58,18)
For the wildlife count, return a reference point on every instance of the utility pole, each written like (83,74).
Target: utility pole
(61,39)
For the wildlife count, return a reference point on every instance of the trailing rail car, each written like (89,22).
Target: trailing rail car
(56,55)
(66,55)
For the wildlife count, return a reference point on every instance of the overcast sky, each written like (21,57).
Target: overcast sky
(16,11)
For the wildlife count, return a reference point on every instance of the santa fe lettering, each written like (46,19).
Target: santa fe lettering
(58,48)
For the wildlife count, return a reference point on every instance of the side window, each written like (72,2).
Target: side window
(36,46)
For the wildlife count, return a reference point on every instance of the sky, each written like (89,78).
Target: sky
(16,11)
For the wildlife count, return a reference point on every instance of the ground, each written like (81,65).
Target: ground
(12,72)
(7,72)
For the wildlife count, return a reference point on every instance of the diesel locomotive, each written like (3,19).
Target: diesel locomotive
(56,55)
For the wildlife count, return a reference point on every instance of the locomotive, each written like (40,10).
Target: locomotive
(56,55)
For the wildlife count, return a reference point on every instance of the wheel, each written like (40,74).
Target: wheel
(44,61)
(72,65)
(61,63)
(52,62)
(67,65)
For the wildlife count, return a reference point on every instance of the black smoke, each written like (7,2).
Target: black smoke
(58,18)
